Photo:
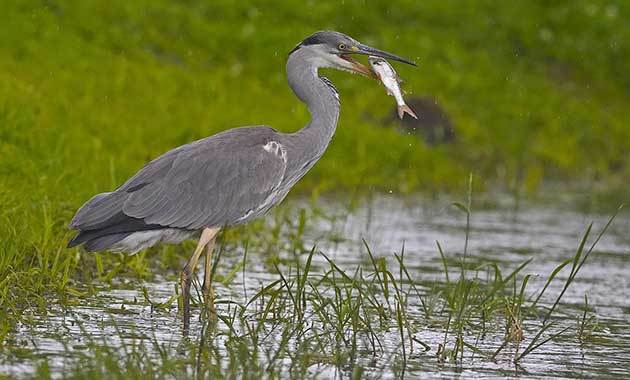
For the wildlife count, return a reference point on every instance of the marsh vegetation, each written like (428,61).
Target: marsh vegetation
(335,290)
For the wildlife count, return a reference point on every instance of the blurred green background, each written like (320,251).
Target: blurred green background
(538,92)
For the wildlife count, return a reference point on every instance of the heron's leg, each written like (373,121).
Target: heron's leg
(207,235)
(208,290)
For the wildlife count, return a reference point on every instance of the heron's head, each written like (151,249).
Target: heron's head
(335,50)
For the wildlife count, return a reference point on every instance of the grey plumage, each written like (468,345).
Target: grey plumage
(229,178)
(211,182)
(223,180)
(105,242)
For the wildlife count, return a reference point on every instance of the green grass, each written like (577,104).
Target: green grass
(93,90)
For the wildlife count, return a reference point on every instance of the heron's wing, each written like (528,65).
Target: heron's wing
(212,182)
(106,208)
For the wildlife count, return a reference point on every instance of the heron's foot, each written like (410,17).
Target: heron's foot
(185,282)
(208,296)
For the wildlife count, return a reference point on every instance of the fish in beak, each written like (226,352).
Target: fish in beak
(370,51)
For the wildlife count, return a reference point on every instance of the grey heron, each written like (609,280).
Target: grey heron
(226,179)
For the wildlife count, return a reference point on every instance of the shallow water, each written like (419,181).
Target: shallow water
(119,315)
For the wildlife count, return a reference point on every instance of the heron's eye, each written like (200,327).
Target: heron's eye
(342,46)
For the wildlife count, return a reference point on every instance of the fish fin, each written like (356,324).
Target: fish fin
(402,109)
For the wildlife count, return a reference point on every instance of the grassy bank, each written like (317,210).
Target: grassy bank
(89,90)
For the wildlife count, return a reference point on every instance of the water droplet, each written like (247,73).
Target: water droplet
(545,34)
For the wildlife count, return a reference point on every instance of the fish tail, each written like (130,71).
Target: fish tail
(402,109)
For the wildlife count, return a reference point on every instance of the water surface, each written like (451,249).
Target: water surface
(119,315)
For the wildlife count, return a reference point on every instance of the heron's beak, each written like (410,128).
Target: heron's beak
(367,50)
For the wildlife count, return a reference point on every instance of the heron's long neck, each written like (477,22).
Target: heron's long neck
(321,99)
